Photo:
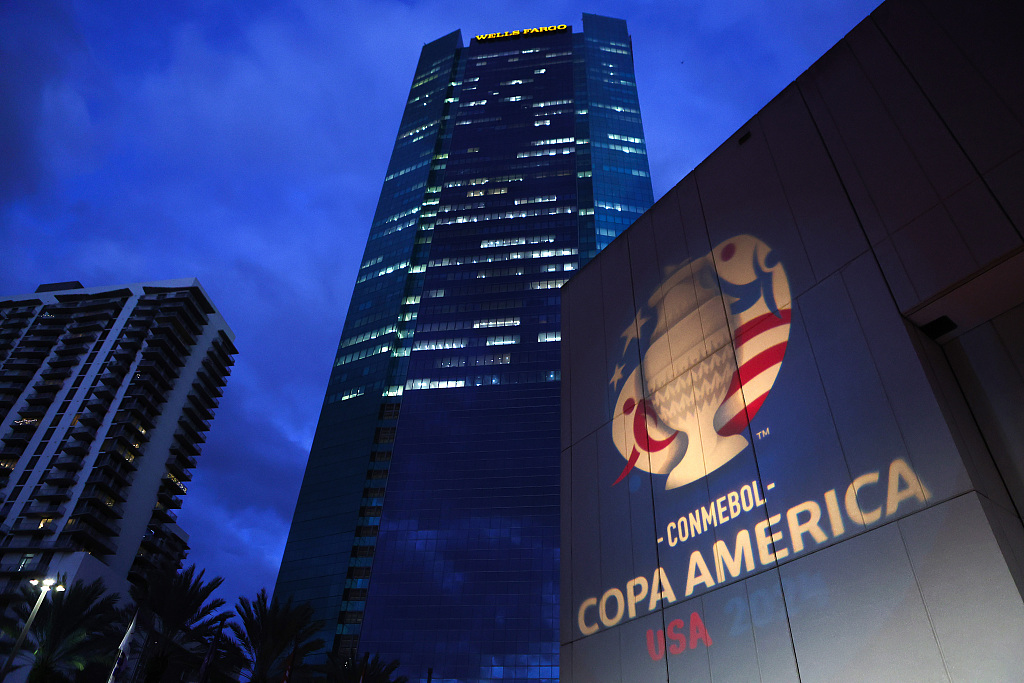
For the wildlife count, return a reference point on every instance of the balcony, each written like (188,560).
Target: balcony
(91,418)
(36,564)
(83,432)
(19,359)
(56,370)
(45,392)
(180,465)
(30,412)
(104,391)
(71,350)
(104,486)
(58,477)
(83,536)
(112,379)
(162,514)
(186,444)
(170,486)
(35,526)
(192,431)
(17,439)
(21,376)
(53,493)
(151,381)
(68,461)
(95,502)
(168,494)
(41,509)
(77,447)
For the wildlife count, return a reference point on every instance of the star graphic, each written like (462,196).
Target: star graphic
(632,332)
(617,377)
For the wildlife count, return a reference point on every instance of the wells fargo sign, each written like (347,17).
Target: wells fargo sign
(523,32)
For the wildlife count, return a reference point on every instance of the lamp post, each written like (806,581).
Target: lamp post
(47,585)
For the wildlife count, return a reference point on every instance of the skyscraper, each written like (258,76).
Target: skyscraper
(105,394)
(427,523)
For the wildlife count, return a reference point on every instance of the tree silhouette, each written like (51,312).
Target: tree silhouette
(275,638)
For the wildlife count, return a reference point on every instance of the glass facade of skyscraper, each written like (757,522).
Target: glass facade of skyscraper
(428,522)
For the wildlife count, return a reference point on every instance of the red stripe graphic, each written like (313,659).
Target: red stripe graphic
(740,421)
(755,366)
(752,328)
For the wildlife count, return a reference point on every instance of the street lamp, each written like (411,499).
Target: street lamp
(47,585)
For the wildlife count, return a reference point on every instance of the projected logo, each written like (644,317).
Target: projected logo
(720,328)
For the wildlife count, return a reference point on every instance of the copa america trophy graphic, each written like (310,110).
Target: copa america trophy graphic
(720,328)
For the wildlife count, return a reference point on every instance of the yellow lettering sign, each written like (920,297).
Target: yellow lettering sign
(525,31)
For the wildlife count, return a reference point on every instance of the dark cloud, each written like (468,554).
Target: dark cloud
(245,143)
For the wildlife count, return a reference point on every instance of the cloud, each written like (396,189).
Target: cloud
(245,144)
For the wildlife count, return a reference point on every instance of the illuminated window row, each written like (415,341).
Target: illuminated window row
(419,129)
(443,326)
(425,80)
(549,336)
(542,122)
(555,151)
(623,138)
(550,103)
(536,200)
(384,271)
(553,141)
(516,241)
(398,216)
(497,272)
(615,206)
(483,181)
(475,103)
(503,340)
(434,344)
(408,169)
(496,322)
(463,361)
(507,53)
(371,262)
(487,119)
(628,171)
(434,384)
(517,81)
(621,148)
(526,377)
(351,393)
(366,336)
(548,284)
(615,50)
(362,353)
(521,213)
(615,108)
(498,257)
(461,207)
(490,191)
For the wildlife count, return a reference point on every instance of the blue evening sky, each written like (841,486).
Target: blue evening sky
(244,143)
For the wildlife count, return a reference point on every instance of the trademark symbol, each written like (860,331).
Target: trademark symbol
(763,433)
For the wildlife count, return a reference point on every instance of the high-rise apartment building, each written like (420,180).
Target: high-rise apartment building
(427,524)
(105,395)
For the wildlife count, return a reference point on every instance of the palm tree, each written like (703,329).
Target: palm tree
(275,638)
(74,628)
(180,618)
(354,669)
